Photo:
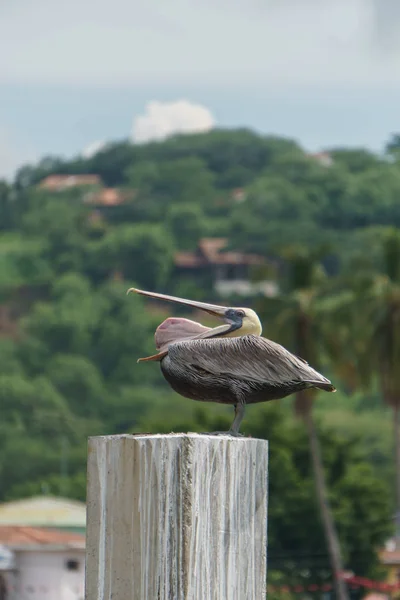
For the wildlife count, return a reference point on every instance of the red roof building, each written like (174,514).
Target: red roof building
(59,183)
(17,537)
(41,563)
(108,197)
(323,158)
(210,251)
(228,270)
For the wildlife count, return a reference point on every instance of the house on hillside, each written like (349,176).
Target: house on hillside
(42,563)
(60,183)
(45,512)
(108,197)
(227,271)
(323,158)
(390,558)
(93,192)
(238,195)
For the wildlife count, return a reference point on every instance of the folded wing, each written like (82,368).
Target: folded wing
(250,358)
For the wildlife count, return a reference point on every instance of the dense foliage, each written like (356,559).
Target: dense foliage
(70,336)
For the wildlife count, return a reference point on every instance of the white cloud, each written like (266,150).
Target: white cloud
(93,148)
(162,119)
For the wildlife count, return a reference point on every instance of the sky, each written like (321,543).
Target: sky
(76,75)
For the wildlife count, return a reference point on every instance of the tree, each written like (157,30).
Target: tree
(297,316)
(65,225)
(33,417)
(63,325)
(142,253)
(78,380)
(187,224)
(375,303)
(374,197)
(393,146)
(35,405)
(6,206)
(227,154)
(183,180)
(255,224)
(123,333)
(355,160)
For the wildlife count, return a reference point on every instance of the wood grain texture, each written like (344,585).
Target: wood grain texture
(176,517)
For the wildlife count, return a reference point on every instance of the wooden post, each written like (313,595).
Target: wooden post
(176,517)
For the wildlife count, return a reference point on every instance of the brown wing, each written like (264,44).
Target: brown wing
(250,358)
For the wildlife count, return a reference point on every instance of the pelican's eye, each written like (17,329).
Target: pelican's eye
(240,313)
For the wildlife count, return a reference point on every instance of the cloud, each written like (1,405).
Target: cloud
(162,119)
(93,148)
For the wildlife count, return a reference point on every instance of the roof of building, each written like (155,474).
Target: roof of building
(324,158)
(44,511)
(390,557)
(60,182)
(238,194)
(210,251)
(18,537)
(109,197)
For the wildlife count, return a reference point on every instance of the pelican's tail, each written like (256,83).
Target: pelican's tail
(327,387)
(323,385)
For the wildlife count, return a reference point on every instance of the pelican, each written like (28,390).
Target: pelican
(229,364)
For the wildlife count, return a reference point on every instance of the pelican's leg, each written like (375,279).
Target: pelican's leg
(239,414)
(234,430)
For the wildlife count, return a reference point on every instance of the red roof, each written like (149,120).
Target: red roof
(324,158)
(17,536)
(61,182)
(390,557)
(210,247)
(238,194)
(210,252)
(109,197)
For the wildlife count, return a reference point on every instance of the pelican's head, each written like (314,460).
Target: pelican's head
(242,321)
(238,321)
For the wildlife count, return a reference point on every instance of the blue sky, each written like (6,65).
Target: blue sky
(324,72)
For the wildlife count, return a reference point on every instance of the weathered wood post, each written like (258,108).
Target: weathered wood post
(176,517)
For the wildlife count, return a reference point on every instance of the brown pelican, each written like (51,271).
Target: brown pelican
(230,364)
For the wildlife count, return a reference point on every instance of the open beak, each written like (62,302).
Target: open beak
(211,309)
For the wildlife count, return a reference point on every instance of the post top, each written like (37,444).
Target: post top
(189,435)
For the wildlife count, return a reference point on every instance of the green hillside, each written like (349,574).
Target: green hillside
(323,230)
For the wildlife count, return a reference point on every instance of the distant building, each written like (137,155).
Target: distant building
(323,158)
(390,558)
(228,270)
(238,195)
(59,183)
(45,511)
(42,564)
(108,197)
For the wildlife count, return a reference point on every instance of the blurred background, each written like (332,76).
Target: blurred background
(244,153)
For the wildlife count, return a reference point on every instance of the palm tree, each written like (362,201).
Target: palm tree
(297,315)
(378,333)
